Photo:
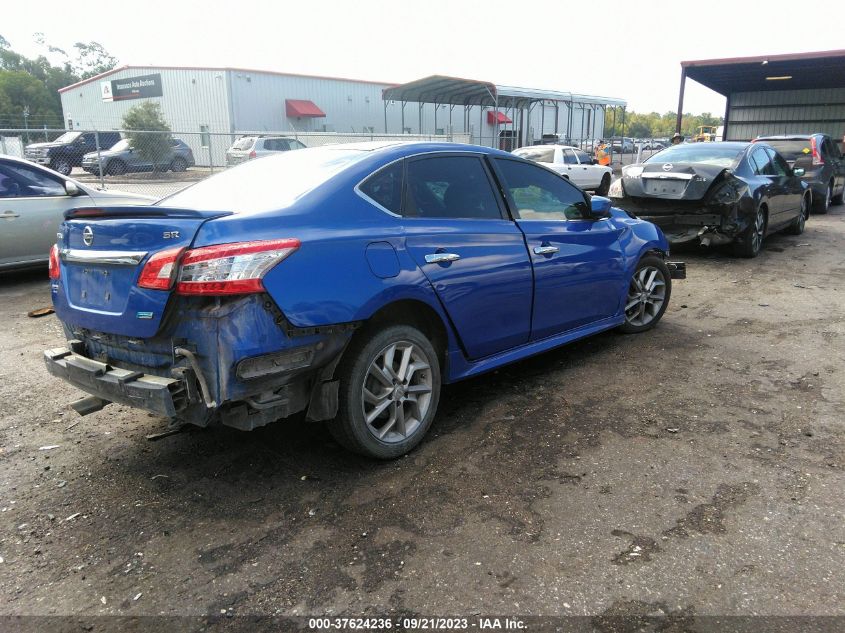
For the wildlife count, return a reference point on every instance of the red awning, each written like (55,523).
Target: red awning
(302,108)
(497,117)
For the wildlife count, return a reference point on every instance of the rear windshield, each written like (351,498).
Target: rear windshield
(244,143)
(791,149)
(273,182)
(537,154)
(706,153)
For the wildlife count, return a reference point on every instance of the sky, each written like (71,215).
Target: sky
(630,50)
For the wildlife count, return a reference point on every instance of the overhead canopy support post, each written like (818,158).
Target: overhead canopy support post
(679,118)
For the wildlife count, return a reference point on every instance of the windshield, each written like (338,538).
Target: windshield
(272,182)
(244,143)
(706,153)
(791,149)
(120,145)
(68,137)
(538,154)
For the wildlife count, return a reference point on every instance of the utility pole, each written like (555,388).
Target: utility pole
(26,121)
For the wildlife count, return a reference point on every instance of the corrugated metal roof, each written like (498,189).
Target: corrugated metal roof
(457,91)
(798,71)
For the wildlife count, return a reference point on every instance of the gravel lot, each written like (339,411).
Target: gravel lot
(694,470)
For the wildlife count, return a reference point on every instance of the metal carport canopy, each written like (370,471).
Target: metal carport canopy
(468,92)
(822,69)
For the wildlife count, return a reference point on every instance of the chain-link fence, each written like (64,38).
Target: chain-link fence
(160,163)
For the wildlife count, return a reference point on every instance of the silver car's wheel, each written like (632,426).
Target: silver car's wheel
(396,393)
(646,296)
(759,230)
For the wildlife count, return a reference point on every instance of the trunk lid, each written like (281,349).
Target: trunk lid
(102,253)
(668,181)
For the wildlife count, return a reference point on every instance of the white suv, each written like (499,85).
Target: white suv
(248,147)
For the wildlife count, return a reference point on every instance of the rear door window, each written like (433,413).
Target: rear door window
(569,157)
(761,162)
(583,157)
(385,188)
(455,187)
(778,165)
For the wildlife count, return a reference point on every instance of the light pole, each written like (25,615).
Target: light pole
(26,121)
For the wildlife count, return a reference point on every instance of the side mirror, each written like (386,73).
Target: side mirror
(798,172)
(600,206)
(71,189)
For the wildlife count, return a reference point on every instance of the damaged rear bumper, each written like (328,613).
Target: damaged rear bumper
(708,229)
(112,384)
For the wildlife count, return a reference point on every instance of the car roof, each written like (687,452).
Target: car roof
(549,146)
(789,137)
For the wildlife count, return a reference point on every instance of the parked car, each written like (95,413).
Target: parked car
(622,145)
(572,163)
(123,158)
(349,282)
(653,145)
(819,157)
(249,147)
(716,193)
(66,152)
(33,201)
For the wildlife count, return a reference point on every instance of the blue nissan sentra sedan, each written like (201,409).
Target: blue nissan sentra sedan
(349,282)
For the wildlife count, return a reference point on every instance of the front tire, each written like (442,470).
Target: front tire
(389,392)
(604,187)
(648,295)
(62,165)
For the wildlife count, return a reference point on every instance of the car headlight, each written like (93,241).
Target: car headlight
(616,190)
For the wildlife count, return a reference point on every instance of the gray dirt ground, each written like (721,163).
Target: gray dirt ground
(697,469)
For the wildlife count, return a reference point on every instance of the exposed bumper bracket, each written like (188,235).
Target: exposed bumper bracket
(111,384)
(677,270)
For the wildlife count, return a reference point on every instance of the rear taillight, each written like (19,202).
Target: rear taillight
(160,270)
(252,154)
(817,158)
(231,269)
(53,270)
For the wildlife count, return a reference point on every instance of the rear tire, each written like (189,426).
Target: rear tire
(838,199)
(389,392)
(822,205)
(751,240)
(797,227)
(178,165)
(604,187)
(116,168)
(648,295)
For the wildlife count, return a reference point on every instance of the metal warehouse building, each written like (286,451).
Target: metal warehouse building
(799,93)
(199,101)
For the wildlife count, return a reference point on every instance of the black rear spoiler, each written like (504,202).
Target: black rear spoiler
(140,211)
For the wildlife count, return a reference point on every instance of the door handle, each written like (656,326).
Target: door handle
(545,250)
(441,258)
(9,214)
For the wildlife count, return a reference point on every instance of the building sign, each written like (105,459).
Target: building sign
(131,88)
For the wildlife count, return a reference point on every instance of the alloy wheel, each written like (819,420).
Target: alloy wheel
(759,230)
(396,393)
(646,295)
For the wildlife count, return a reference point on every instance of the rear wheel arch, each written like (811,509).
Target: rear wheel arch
(415,313)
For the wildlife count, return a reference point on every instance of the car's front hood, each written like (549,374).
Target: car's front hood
(104,153)
(44,145)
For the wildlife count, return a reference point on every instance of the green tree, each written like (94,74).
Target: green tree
(21,92)
(148,131)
